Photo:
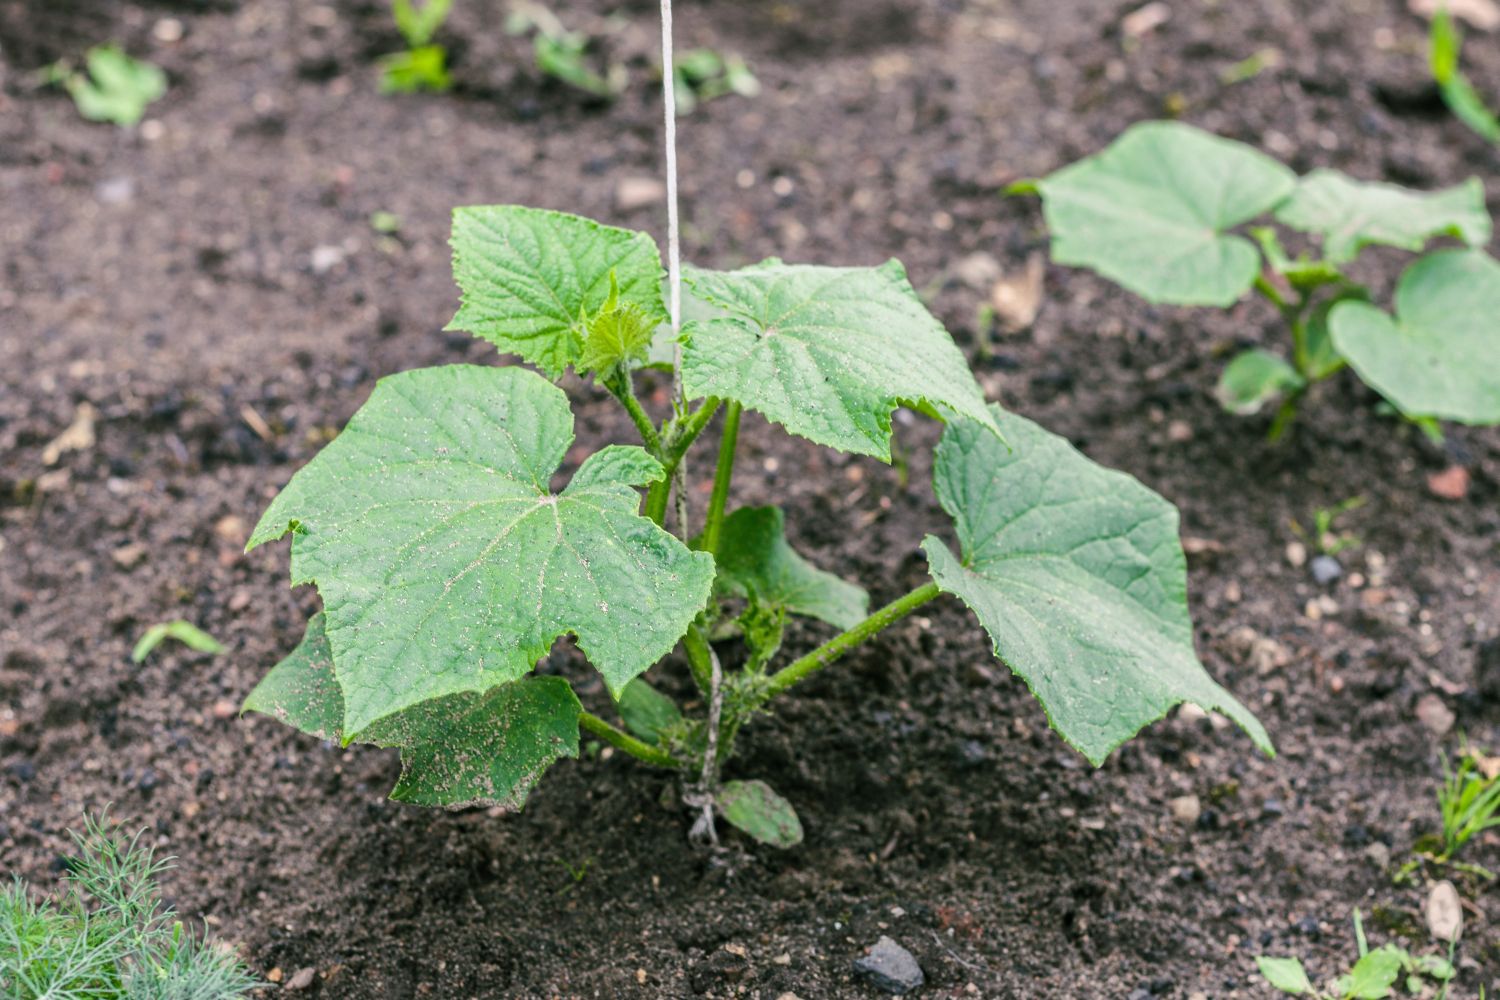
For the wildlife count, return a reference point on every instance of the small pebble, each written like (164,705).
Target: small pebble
(1450,484)
(1325,570)
(1296,554)
(1272,809)
(635,193)
(1186,809)
(326,257)
(301,979)
(890,967)
(1434,713)
(1444,912)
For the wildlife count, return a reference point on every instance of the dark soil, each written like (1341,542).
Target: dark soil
(165,277)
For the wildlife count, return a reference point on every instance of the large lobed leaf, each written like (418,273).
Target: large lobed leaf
(463,749)
(1351,214)
(1152,212)
(531,279)
(447,564)
(1077,574)
(827,352)
(1439,356)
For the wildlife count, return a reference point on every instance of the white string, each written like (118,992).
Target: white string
(674,238)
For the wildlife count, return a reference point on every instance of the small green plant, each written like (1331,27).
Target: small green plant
(1468,802)
(1373,976)
(563,54)
(187,633)
(106,935)
(1445,45)
(1155,213)
(706,74)
(424,64)
(1323,537)
(112,87)
(448,564)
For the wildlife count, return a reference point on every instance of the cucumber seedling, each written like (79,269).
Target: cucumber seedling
(448,563)
(424,63)
(1156,211)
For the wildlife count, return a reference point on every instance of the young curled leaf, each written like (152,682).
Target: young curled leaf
(447,564)
(532,279)
(620,334)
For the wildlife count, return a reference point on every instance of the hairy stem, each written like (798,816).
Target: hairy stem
(700,658)
(843,643)
(722,475)
(679,438)
(621,740)
(623,388)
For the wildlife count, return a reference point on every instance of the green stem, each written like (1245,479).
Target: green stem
(623,389)
(722,475)
(1285,414)
(622,740)
(695,645)
(841,644)
(680,438)
(1270,291)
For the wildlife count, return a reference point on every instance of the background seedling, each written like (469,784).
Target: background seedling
(112,87)
(1157,211)
(106,934)
(707,74)
(184,632)
(1373,976)
(448,565)
(1445,43)
(563,54)
(1468,803)
(1323,537)
(424,64)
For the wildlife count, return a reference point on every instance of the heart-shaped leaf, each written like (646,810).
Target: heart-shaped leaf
(1253,379)
(1152,212)
(1350,214)
(827,352)
(1437,357)
(447,564)
(1077,574)
(1285,974)
(462,749)
(532,280)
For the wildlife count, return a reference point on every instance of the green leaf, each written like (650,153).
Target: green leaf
(1436,356)
(117,88)
(1152,211)
(462,749)
(1304,273)
(301,691)
(418,25)
(532,278)
(1253,379)
(445,562)
(755,562)
(1458,93)
(646,711)
(1077,574)
(187,633)
(562,57)
(1372,976)
(753,808)
(1320,358)
(1437,967)
(1286,974)
(1350,214)
(827,352)
(620,334)
(418,69)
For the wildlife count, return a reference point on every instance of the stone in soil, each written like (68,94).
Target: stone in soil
(1325,570)
(890,967)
